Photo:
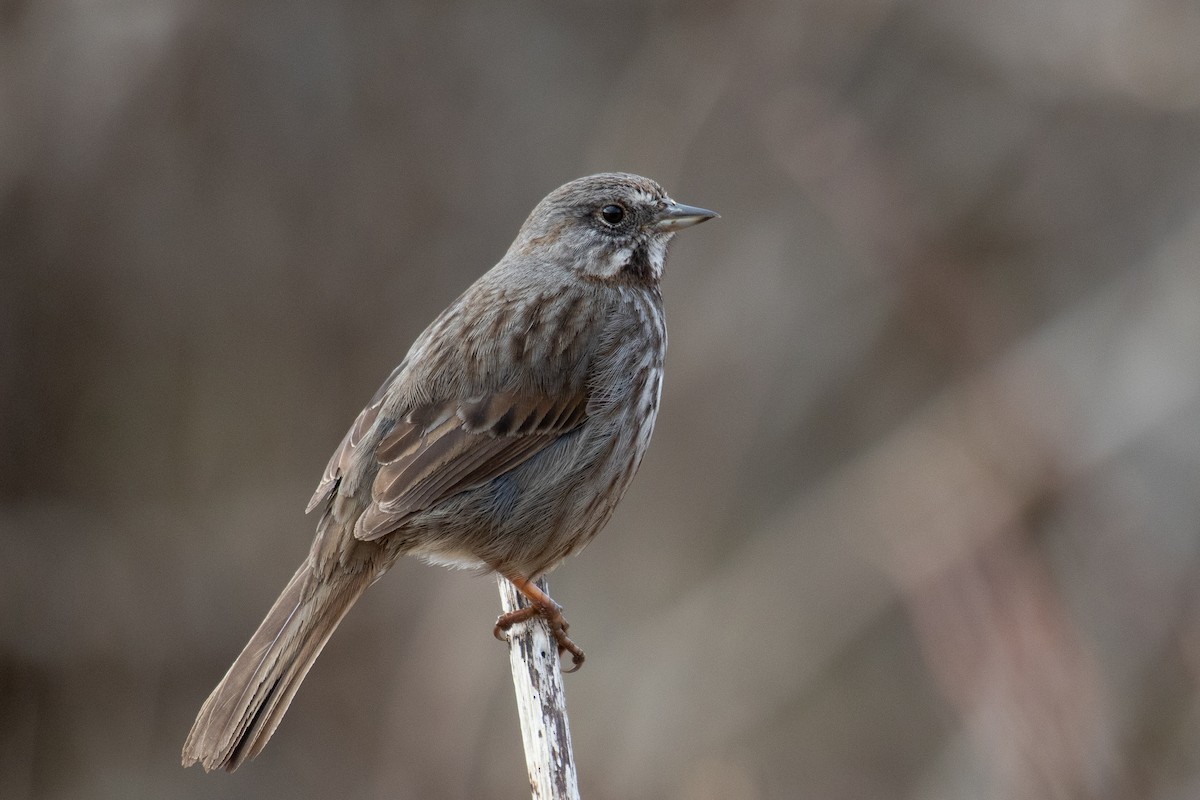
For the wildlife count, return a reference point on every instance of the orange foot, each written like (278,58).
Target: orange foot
(545,607)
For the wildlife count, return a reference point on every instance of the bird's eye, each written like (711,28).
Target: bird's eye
(612,214)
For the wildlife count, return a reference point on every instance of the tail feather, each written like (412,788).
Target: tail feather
(240,715)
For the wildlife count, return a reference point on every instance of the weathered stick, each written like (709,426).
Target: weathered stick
(541,703)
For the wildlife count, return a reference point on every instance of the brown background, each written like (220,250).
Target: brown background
(921,515)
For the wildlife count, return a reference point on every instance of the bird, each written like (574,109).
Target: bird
(502,442)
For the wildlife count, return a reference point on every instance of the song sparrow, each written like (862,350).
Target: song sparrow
(503,441)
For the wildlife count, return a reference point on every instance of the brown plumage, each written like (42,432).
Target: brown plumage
(503,441)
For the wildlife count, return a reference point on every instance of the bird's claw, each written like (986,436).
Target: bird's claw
(558,627)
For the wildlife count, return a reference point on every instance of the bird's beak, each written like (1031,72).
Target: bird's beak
(677,215)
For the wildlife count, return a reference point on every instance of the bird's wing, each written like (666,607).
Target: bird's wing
(339,463)
(461,436)
(442,449)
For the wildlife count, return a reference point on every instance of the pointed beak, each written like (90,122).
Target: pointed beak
(677,215)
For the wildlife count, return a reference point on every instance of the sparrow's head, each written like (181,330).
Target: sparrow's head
(611,227)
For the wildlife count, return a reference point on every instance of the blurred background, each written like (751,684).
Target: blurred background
(921,518)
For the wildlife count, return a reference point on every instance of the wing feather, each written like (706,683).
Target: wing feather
(339,463)
(439,451)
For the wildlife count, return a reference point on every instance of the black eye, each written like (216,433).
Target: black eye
(612,214)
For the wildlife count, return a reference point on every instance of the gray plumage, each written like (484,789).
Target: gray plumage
(503,441)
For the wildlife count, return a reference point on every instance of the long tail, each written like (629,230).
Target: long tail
(240,715)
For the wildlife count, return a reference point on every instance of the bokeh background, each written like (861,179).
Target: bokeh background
(922,514)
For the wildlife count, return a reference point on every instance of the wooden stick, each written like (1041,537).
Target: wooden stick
(541,703)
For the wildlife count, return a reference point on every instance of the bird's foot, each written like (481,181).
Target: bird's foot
(541,605)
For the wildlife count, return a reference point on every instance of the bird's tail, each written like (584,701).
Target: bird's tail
(245,709)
